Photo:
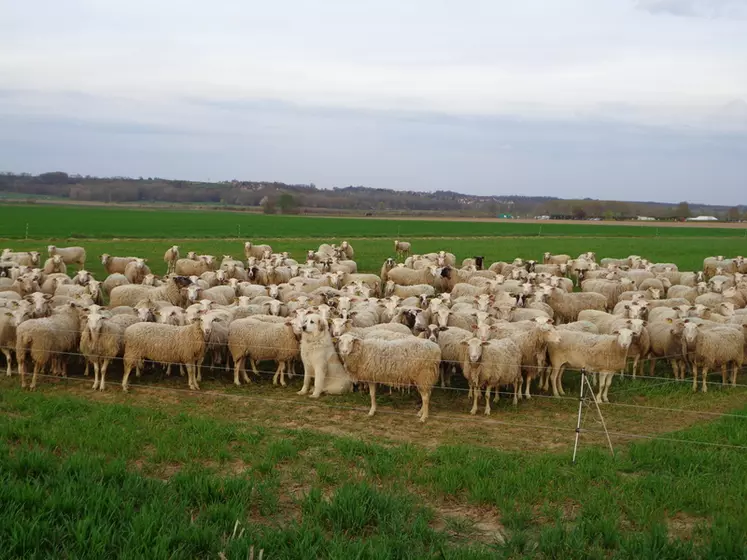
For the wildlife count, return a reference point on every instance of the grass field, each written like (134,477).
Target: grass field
(165,473)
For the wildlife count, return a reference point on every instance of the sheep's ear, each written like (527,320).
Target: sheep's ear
(447,328)
(616,331)
(484,343)
(464,343)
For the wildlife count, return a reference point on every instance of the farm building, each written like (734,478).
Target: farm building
(703,219)
(645,219)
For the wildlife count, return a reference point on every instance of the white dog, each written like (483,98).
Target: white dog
(320,360)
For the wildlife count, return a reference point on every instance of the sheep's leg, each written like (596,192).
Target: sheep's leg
(126,376)
(102,374)
(442,373)
(560,380)
(37,367)
(254,366)
(6,352)
(277,373)
(545,378)
(425,395)
(283,373)
(199,368)
(22,368)
(705,377)
(530,378)
(602,381)
(308,373)
(734,371)
(85,371)
(475,396)
(517,391)
(607,388)
(238,366)
(554,379)
(520,383)
(182,372)
(168,370)
(695,377)
(95,375)
(635,364)
(723,374)
(487,400)
(652,366)
(372,393)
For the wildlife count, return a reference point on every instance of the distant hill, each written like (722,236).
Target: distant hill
(285,198)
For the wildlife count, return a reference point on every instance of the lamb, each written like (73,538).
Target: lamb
(398,363)
(136,271)
(102,340)
(69,255)
(599,353)
(115,265)
(320,360)
(567,306)
(132,294)
(402,248)
(47,339)
(55,265)
(718,346)
(256,251)
(258,340)
(165,344)
(493,363)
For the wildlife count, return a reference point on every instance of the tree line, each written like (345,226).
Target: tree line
(275,197)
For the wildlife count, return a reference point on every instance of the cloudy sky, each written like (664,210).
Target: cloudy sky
(627,99)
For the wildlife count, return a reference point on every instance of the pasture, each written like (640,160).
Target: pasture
(164,472)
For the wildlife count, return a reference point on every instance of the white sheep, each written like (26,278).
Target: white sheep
(136,271)
(402,248)
(102,340)
(55,265)
(711,348)
(132,294)
(170,257)
(256,251)
(258,340)
(397,363)
(493,363)
(115,265)
(165,344)
(70,255)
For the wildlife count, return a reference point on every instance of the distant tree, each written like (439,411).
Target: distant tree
(268,205)
(682,210)
(54,178)
(287,204)
(578,212)
(734,215)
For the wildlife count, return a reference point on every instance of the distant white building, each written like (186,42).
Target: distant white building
(645,219)
(703,219)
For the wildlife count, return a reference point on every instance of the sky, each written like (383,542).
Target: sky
(608,99)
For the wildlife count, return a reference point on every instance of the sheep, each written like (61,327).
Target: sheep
(402,248)
(69,255)
(256,251)
(170,257)
(222,295)
(691,279)
(341,326)
(136,271)
(493,363)
(30,258)
(711,265)
(388,265)
(41,304)
(567,306)
(115,265)
(54,265)
(661,284)
(666,343)
(258,340)
(132,294)
(346,250)
(549,258)
(411,277)
(398,363)
(610,289)
(709,348)
(407,291)
(476,262)
(598,353)
(165,344)
(101,341)
(114,280)
(533,347)
(9,319)
(47,339)
(686,292)
(189,267)
(217,340)
(462,289)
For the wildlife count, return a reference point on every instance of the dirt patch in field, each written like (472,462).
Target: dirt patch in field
(470,522)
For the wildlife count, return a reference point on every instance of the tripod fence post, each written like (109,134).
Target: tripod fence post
(580,411)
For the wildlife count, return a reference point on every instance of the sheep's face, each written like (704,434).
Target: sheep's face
(690,332)
(94,324)
(19,315)
(275,307)
(40,304)
(637,325)
(624,337)
(717,285)
(474,349)
(57,260)
(442,317)
(94,289)
(726,308)
(549,333)
(193,293)
(51,249)
(347,344)
(206,325)
(339,326)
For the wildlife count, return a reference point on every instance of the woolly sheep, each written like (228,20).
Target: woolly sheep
(101,341)
(711,348)
(402,248)
(410,277)
(170,257)
(258,340)
(189,267)
(492,364)
(136,271)
(549,258)
(115,265)
(256,251)
(666,343)
(30,258)
(598,353)
(114,280)
(47,339)
(69,255)
(567,306)
(398,363)
(165,344)
(132,294)
(55,264)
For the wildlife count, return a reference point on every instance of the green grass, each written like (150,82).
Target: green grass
(87,479)
(104,223)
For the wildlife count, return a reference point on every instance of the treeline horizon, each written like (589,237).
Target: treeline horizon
(277,197)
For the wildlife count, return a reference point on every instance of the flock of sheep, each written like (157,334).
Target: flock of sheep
(419,320)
